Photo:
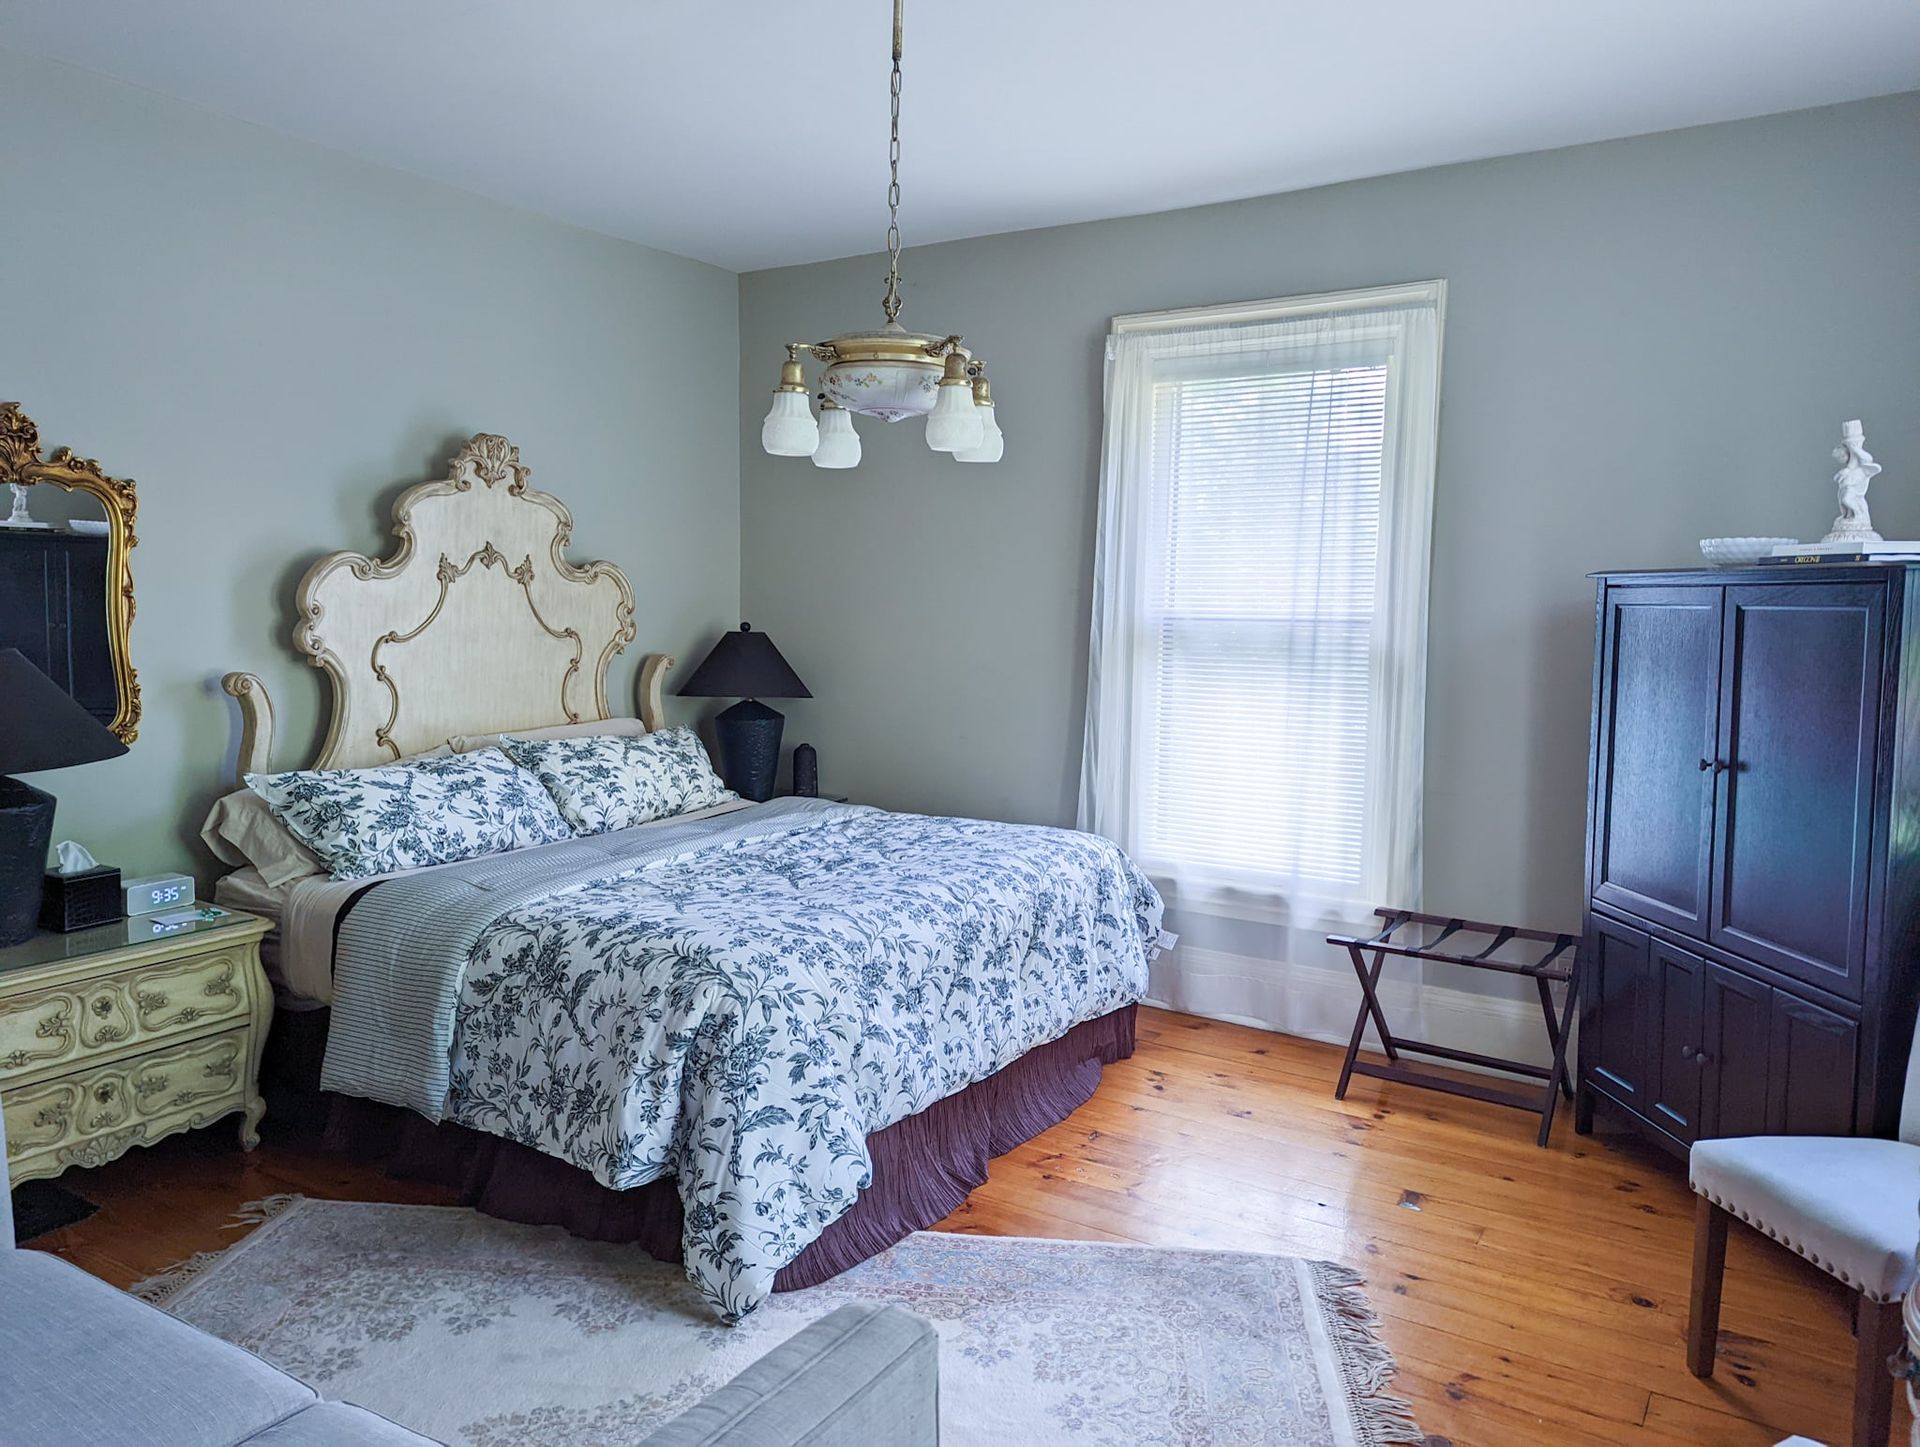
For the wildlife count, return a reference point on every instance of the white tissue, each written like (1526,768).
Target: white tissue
(74,857)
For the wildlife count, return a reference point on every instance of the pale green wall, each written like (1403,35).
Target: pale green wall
(272,339)
(1648,341)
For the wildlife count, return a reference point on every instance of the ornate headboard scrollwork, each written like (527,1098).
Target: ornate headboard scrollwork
(476,624)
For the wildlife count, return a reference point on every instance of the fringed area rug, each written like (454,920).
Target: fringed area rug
(477,1331)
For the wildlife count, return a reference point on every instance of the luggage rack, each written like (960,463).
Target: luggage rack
(1546,958)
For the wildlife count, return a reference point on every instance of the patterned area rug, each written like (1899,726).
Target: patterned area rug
(477,1331)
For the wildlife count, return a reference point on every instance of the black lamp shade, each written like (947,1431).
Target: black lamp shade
(744,665)
(41,726)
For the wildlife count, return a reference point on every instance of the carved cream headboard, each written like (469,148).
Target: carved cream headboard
(477,624)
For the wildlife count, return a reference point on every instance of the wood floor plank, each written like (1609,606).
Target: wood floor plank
(1531,1296)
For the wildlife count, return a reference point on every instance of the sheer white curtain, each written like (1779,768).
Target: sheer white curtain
(1258,667)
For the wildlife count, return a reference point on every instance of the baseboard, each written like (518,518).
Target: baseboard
(1319,1004)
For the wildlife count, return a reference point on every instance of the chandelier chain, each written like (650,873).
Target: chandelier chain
(892,303)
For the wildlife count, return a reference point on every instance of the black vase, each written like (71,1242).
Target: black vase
(26,828)
(806,771)
(749,737)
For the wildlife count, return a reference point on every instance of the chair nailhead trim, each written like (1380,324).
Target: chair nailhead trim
(1791,1245)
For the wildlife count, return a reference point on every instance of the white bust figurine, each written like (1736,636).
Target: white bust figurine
(1857,469)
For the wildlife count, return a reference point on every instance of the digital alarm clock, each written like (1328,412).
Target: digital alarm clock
(157,892)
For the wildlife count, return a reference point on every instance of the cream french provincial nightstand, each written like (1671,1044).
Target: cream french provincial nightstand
(116,1036)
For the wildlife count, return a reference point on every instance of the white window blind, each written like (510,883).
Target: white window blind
(1259,621)
(1257,668)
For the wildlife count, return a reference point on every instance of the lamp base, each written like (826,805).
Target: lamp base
(749,736)
(26,829)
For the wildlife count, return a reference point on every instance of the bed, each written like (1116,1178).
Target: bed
(767,1040)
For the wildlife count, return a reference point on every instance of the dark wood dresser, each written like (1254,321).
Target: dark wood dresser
(1753,851)
(53,608)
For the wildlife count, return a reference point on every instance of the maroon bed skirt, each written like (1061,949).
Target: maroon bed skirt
(923,1166)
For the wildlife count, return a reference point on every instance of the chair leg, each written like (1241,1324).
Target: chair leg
(1709,1265)
(1880,1333)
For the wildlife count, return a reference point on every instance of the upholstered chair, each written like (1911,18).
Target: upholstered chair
(1851,1206)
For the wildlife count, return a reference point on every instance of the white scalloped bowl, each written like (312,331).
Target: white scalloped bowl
(1730,552)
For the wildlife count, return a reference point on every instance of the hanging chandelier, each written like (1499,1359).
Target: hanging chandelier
(886,372)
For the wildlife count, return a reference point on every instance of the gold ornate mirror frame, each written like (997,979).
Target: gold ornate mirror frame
(20,463)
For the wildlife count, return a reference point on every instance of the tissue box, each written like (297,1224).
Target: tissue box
(81,900)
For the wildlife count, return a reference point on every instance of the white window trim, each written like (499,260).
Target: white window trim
(1280,308)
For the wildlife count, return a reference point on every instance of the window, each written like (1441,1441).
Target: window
(1255,700)
(1259,620)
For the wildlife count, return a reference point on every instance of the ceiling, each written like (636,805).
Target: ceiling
(751,133)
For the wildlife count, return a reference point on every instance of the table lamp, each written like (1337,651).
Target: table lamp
(41,727)
(746,666)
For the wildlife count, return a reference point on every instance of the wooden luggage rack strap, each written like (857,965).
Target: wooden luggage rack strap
(1547,958)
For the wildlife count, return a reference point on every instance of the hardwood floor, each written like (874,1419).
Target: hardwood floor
(1531,1296)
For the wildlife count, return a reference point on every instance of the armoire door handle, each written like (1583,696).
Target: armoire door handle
(1687,1052)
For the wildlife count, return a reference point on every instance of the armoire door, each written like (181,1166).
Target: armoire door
(1734,1059)
(1616,1010)
(1814,1065)
(1799,718)
(1658,715)
(1676,979)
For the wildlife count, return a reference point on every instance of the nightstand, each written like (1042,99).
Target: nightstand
(117,1036)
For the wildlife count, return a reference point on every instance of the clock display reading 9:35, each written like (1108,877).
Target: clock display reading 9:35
(157,892)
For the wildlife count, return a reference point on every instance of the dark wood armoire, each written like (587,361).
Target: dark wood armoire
(53,608)
(1753,851)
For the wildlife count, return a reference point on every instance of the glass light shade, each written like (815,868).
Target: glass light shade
(885,389)
(839,443)
(993,442)
(790,430)
(954,423)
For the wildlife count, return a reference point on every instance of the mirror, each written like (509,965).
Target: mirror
(66,585)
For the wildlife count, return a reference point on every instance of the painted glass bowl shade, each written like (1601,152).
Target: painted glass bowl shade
(886,373)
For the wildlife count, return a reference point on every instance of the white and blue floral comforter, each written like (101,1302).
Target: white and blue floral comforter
(742,1016)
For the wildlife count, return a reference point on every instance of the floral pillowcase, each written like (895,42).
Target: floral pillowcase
(362,822)
(608,782)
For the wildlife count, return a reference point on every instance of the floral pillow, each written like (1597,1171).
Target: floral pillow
(362,822)
(609,782)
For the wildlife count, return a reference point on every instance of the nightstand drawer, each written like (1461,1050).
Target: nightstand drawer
(94,1114)
(46,1028)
